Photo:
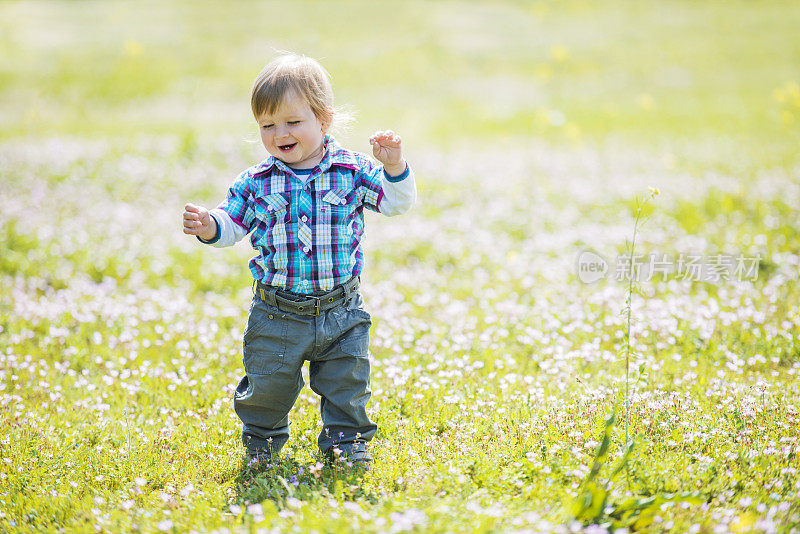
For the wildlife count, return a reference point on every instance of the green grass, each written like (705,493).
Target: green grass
(534,128)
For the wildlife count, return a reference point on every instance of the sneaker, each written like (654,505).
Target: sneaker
(261,456)
(356,453)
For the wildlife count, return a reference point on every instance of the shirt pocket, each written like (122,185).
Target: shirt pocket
(336,197)
(337,205)
(272,208)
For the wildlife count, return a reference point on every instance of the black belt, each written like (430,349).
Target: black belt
(311,305)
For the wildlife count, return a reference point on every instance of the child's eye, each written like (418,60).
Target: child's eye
(267,126)
(294,122)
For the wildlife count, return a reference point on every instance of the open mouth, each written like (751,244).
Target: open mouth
(286,148)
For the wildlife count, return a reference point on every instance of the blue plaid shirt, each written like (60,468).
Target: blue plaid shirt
(307,233)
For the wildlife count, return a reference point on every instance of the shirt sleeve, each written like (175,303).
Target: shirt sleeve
(239,203)
(386,194)
(228,232)
(235,216)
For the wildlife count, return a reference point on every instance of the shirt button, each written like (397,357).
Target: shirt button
(304,218)
(306,249)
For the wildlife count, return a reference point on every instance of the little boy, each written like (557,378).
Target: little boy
(303,208)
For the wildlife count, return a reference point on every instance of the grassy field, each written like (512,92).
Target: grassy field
(535,130)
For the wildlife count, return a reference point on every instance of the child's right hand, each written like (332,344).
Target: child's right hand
(197,221)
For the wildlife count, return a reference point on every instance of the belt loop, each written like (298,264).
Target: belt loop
(270,297)
(348,288)
(267,295)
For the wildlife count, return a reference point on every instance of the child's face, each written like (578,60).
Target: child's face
(293,134)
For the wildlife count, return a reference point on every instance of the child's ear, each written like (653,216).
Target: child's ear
(326,122)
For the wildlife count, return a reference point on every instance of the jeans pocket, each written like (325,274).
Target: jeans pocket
(264,341)
(355,339)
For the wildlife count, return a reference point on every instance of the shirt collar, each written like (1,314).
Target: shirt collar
(334,155)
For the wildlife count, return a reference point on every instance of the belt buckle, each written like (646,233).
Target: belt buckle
(316,305)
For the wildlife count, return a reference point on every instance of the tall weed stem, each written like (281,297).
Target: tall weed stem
(632,284)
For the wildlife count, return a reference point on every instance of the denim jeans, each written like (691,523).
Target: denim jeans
(276,343)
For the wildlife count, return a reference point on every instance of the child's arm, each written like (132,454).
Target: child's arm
(227,224)
(393,190)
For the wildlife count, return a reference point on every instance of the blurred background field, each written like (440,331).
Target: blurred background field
(440,71)
(534,129)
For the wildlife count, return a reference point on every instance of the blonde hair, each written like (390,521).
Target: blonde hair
(293,72)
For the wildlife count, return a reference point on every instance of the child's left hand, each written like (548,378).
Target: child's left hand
(386,149)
